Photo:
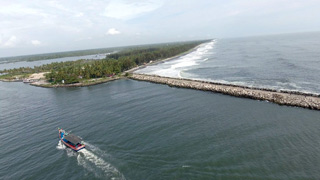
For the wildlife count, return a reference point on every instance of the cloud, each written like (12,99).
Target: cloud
(80,14)
(113,31)
(125,10)
(58,24)
(233,13)
(11,42)
(36,42)
(20,10)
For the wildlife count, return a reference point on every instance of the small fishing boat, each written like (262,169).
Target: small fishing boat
(70,140)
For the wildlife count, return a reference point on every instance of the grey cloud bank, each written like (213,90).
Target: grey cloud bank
(35,26)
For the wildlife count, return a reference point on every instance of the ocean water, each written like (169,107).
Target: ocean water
(287,62)
(139,130)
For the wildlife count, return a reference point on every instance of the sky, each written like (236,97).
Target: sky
(42,26)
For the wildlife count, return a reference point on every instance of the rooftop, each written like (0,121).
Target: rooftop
(73,139)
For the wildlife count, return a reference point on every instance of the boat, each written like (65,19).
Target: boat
(70,140)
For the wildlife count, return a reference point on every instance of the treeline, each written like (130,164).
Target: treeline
(43,68)
(116,63)
(37,57)
(75,71)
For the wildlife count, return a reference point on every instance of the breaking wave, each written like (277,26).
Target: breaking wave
(253,62)
(174,67)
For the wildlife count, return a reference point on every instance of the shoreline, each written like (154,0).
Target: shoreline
(132,70)
(13,80)
(40,82)
(297,99)
(280,97)
(45,84)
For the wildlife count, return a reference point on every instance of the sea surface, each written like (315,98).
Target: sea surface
(281,62)
(138,130)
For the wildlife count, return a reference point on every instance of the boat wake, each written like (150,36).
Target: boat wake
(93,162)
(60,146)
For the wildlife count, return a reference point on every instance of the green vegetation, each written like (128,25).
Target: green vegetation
(37,57)
(83,70)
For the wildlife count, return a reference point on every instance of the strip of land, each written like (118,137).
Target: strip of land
(309,101)
(90,72)
(151,63)
(90,82)
(119,65)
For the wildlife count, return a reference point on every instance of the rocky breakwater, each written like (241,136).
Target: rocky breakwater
(279,97)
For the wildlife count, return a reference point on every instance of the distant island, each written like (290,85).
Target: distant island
(54,55)
(90,72)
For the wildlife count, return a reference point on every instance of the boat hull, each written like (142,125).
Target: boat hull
(75,148)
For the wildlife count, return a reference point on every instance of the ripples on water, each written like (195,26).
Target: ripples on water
(288,62)
(139,130)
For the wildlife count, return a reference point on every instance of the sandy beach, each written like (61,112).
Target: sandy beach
(132,70)
(37,76)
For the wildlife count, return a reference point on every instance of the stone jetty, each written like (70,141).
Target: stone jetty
(288,98)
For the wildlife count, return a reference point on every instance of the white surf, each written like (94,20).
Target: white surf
(174,67)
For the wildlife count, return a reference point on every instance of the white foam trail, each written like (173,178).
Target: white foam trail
(86,165)
(60,145)
(94,148)
(88,156)
(71,153)
(90,161)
